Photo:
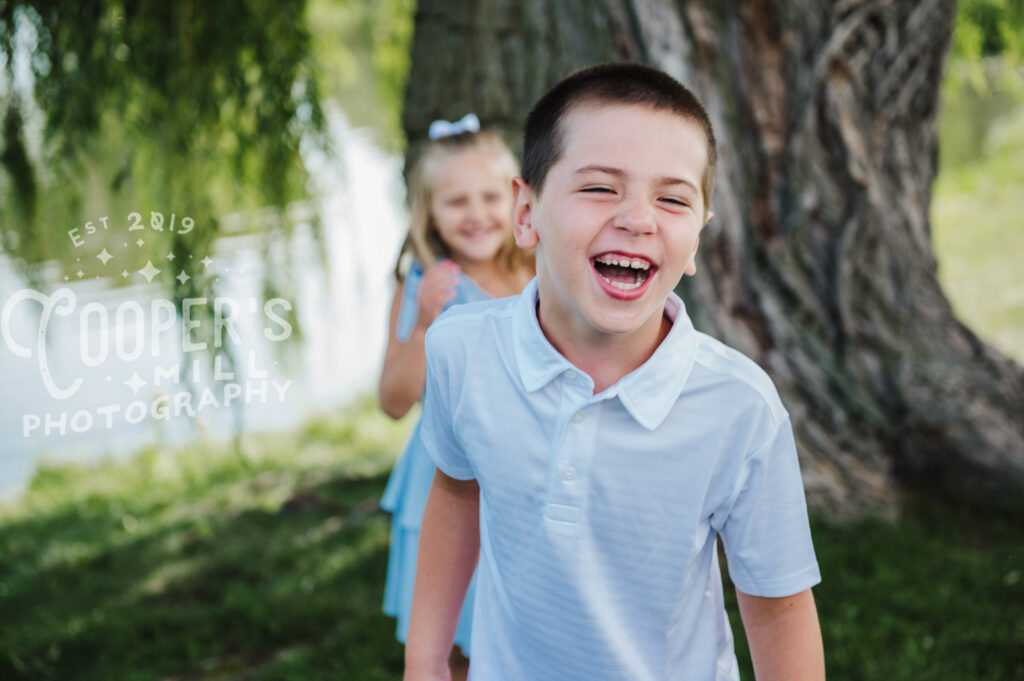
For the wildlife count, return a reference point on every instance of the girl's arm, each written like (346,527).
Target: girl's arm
(405,365)
(449,545)
(784,637)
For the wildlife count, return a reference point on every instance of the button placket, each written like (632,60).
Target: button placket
(572,457)
(565,493)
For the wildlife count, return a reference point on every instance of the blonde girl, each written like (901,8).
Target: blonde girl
(459,249)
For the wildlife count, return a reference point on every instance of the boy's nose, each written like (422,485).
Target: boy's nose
(636,217)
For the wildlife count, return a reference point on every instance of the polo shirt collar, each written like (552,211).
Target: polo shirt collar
(648,392)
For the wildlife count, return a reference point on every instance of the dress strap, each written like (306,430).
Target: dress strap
(410,309)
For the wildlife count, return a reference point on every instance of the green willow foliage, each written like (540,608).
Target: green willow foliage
(989,28)
(172,102)
(993,31)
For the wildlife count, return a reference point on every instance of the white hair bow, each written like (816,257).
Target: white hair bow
(468,123)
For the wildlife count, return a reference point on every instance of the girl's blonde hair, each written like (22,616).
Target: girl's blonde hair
(424,243)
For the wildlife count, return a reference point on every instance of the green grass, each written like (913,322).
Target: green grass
(199,565)
(938,595)
(978,214)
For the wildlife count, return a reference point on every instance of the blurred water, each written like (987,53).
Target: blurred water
(342,312)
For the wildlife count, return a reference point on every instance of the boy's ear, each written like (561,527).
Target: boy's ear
(691,263)
(522,214)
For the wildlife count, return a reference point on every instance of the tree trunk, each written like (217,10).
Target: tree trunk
(818,261)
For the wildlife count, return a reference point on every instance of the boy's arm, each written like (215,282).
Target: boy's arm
(449,545)
(784,637)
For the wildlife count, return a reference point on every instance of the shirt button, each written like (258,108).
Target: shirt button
(568,473)
(577,417)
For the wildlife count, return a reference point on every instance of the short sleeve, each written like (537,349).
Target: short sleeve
(437,428)
(766,532)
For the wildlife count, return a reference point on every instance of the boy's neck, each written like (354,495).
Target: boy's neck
(603,356)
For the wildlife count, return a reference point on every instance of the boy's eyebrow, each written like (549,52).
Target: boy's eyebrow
(617,172)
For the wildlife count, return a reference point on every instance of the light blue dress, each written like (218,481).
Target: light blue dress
(406,493)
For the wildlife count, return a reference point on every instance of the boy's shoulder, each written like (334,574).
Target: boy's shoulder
(742,374)
(462,324)
(467,315)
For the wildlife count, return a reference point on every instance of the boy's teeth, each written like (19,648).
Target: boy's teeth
(626,286)
(634,263)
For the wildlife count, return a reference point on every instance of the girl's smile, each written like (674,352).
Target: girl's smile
(472,207)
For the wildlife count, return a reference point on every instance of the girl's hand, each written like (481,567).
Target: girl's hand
(436,289)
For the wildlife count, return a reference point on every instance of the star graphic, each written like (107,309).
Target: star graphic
(104,256)
(135,383)
(125,243)
(125,274)
(108,378)
(206,261)
(149,271)
(139,242)
(170,256)
(183,277)
(66,277)
(80,274)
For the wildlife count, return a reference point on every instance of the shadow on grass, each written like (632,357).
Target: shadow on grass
(286,592)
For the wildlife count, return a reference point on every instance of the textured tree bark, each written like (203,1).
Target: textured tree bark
(818,261)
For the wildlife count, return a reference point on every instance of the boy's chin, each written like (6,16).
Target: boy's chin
(627,322)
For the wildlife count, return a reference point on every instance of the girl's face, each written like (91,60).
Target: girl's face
(471,206)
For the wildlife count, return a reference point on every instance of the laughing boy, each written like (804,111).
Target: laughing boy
(591,445)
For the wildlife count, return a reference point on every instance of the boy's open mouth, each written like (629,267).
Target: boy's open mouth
(622,271)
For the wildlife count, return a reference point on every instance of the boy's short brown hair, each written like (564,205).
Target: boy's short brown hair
(608,83)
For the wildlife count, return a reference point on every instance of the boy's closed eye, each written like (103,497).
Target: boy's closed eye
(676,201)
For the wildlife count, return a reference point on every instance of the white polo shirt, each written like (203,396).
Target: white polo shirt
(599,513)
